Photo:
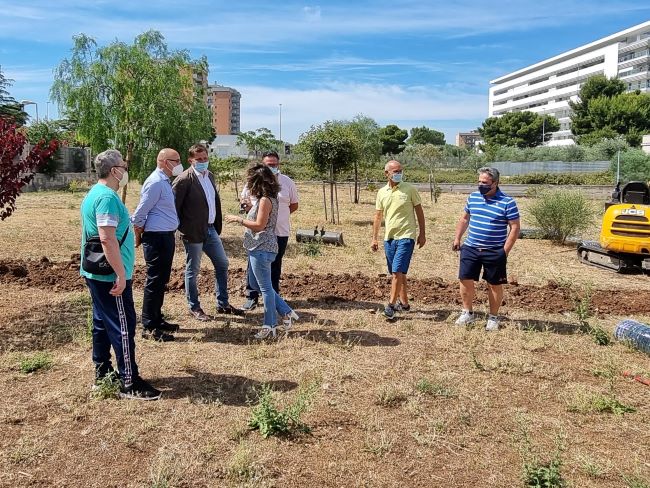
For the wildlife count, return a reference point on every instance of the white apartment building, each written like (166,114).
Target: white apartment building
(546,87)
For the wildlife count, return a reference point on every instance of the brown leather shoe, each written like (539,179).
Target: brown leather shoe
(199,314)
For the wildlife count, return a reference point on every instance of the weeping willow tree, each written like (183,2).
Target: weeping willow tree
(137,98)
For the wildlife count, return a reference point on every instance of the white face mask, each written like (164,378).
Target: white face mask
(124,180)
(178,169)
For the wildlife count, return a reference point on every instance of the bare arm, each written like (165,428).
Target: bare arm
(293,207)
(461,227)
(259,224)
(419,213)
(112,251)
(513,235)
(376,225)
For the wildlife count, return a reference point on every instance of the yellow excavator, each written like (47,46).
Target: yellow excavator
(624,244)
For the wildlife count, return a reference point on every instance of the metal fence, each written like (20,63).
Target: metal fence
(509,168)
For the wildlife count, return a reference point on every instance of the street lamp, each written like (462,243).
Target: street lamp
(29,102)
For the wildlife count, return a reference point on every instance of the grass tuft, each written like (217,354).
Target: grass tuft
(36,362)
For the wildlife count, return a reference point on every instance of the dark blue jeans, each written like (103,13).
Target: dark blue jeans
(276,270)
(158,250)
(113,326)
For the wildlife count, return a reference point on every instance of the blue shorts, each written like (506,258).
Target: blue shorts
(398,254)
(492,260)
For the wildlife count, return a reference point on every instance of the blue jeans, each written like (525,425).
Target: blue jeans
(213,247)
(260,264)
(113,326)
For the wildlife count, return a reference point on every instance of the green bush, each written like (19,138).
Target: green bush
(561,213)
(635,165)
(601,178)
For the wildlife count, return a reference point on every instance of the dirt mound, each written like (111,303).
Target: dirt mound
(336,288)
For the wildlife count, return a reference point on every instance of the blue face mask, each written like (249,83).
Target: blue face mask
(274,169)
(396,177)
(201,167)
(484,189)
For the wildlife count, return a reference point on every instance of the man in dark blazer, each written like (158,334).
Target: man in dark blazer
(199,212)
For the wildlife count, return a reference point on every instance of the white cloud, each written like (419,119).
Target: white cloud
(385,103)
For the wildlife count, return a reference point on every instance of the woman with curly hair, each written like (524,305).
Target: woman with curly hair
(262,246)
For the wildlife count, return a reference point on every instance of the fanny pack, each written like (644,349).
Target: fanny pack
(94,260)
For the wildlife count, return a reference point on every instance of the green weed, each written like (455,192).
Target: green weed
(36,362)
(107,388)
(390,396)
(438,389)
(271,421)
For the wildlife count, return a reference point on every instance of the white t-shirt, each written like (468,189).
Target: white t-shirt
(288,195)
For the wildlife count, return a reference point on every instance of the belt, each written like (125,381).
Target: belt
(162,232)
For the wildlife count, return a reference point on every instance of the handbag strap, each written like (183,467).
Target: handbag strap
(126,232)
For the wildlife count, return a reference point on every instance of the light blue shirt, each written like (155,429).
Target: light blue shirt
(488,219)
(156,211)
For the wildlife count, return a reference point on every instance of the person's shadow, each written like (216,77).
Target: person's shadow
(226,389)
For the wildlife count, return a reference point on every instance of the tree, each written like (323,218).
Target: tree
(431,156)
(259,141)
(44,132)
(366,131)
(520,129)
(137,98)
(392,139)
(604,111)
(331,147)
(9,108)
(425,135)
(15,171)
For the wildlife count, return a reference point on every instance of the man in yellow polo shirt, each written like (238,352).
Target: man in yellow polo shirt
(398,203)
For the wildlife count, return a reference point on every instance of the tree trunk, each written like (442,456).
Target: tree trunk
(332,193)
(356,182)
(129,158)
(324,202)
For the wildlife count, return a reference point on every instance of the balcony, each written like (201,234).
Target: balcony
(633,46)
(641,58)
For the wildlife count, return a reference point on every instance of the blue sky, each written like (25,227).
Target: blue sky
(406,62)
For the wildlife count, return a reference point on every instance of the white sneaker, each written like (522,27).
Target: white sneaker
(492,323)
(466,317)
(287,321)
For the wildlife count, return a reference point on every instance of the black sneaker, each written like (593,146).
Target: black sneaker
(157,335)
(250,304)
(167,327)
(139,390)
(400,307)
(230,310)
(389,311)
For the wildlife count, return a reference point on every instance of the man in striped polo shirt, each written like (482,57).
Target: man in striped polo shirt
(488,214)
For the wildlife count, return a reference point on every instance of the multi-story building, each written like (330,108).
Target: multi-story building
(468,139)
(224,102)
(546,87)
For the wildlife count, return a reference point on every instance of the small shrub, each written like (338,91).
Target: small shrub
(312,248)
(76,186)
(36,362)
(544,475)
(561,213)
(269,420)
(107,388)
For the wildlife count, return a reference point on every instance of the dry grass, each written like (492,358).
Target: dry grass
(417,402)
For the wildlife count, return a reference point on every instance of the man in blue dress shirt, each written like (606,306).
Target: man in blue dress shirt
(492,218)
(155,222)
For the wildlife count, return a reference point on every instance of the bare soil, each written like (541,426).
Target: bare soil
(344,287)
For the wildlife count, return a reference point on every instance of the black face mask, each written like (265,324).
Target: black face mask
(484,189)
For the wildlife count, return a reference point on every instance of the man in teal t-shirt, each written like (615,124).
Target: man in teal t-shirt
(103,214)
